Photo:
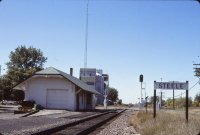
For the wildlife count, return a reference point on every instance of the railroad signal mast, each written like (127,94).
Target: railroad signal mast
(141,99)
(141,81)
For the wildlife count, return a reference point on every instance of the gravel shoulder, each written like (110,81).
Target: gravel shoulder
(120,126)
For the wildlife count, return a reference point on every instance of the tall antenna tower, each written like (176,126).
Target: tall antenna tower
(86,36)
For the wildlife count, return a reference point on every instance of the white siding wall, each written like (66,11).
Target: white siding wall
(37,89)
(82,100)
(94,101)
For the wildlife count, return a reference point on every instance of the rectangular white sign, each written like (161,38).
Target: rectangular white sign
(171,85)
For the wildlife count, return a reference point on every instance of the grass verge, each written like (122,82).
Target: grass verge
(166,123)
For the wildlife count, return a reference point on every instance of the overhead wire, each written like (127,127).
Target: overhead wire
(188,89)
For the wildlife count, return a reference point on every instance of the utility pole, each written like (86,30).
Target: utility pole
(146,103)
(161,96)
(186,109)
(154,102)
(173,96)
(160,99)
(2,94)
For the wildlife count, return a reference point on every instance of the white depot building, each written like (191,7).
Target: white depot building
(97,80)
(56,89)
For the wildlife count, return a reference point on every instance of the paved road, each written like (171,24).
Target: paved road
(15,124)
(29,125)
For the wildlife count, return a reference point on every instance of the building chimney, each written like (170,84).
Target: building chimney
(71,71)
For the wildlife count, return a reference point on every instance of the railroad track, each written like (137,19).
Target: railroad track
(83,126)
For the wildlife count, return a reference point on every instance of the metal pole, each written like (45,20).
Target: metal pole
(146,103)
(154,103)
(186,110)
(2,89)
(141,94)
(173,95)
(173,99)
(161,100)
(161,96)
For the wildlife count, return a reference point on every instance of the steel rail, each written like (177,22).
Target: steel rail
(78,130)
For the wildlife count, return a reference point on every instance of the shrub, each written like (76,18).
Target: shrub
(27,104)
(17,95)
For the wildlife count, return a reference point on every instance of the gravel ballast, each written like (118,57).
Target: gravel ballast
(120,126)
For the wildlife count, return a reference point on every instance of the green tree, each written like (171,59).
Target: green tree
(119,101)
(24,62)
(197,99)
(151,99)
(189,102)
(5,88)
(169,102)
(178,102)
(112,94)
(17,95)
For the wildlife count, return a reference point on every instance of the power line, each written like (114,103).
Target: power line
(195,64)
(189,89)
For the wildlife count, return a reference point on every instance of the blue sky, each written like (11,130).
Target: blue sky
(125,38)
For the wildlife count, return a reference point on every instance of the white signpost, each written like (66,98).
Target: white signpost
(171,86)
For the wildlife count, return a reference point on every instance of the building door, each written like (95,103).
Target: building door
(58,99)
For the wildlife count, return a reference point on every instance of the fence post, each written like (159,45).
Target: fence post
(154,102)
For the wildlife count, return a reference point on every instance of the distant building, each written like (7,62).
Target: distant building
(96,79)
(106,81)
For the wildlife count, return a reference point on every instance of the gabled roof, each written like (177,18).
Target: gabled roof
(74,80)
(49,70)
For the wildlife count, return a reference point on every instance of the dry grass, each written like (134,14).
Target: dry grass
(166,123)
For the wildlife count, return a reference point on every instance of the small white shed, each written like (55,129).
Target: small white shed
(55,89)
